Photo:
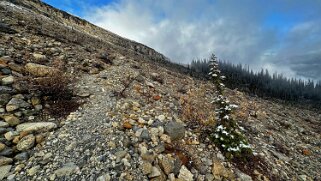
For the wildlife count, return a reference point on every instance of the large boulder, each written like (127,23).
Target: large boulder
(39,70)
(36,127)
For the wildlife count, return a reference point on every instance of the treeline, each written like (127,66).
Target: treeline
(263,83)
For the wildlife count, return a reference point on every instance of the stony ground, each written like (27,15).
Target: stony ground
(141,119)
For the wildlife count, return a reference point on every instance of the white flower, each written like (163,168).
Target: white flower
(226,117)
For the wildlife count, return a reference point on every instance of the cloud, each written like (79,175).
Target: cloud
(281,36)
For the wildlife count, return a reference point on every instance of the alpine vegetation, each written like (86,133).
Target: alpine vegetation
(226,134)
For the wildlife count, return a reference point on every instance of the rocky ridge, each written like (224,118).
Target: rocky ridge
(140,120)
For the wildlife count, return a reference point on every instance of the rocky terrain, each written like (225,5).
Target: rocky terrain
(139,118)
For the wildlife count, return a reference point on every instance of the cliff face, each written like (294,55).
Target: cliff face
(130,114)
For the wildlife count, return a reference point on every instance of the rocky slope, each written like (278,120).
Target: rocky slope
(140,119)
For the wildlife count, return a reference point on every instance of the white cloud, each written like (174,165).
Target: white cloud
(183,30)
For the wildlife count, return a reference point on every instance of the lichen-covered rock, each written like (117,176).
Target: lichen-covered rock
(26,142)
(39,70)
(11,120)
(36,127)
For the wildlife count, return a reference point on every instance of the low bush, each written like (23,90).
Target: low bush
(57,91)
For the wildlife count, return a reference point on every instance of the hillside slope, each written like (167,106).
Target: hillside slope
(140,119)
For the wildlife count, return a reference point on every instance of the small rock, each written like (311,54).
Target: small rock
(26,142)
(7,80)
(218,170)
(5,71)
(104,177)
(39,57)
(11,177)
(11,120)
(2,146)
(6,90)
(161,117)
(36,127)
(306,152)
(67,170)
(146,167)
(243,177)
(185,174)
(4,170)
(155,173)
(10,135)
(5,160)
(16,103)
(40,138)
(127,125)
(120,154)
(3,124)
(35,101)
(302,177)
(32,171)
(4,99)
(167,164)
(175,130)
(21,156)
(6,152)
(145,135)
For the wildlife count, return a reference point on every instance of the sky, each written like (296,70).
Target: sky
(282,36)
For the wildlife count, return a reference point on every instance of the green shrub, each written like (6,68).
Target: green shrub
(226,134)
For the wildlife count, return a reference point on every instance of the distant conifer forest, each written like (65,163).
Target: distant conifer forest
(263,83)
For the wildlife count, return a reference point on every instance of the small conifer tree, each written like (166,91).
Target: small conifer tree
(226,134)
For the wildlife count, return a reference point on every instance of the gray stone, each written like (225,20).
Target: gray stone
(175,130)
(3,124)
(7,80)
(6,90)
(32,171)
(155,173)
(16,103)
(36,127)
(4,99)
(145,135)
(120,154)
(209,177)
(6,152)
(5,160)
(4,170)
(67,170)
(26,142)
(11,177)
(6,71)
(21,156)
(243,177)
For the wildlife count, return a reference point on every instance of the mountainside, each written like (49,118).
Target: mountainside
(131,115)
